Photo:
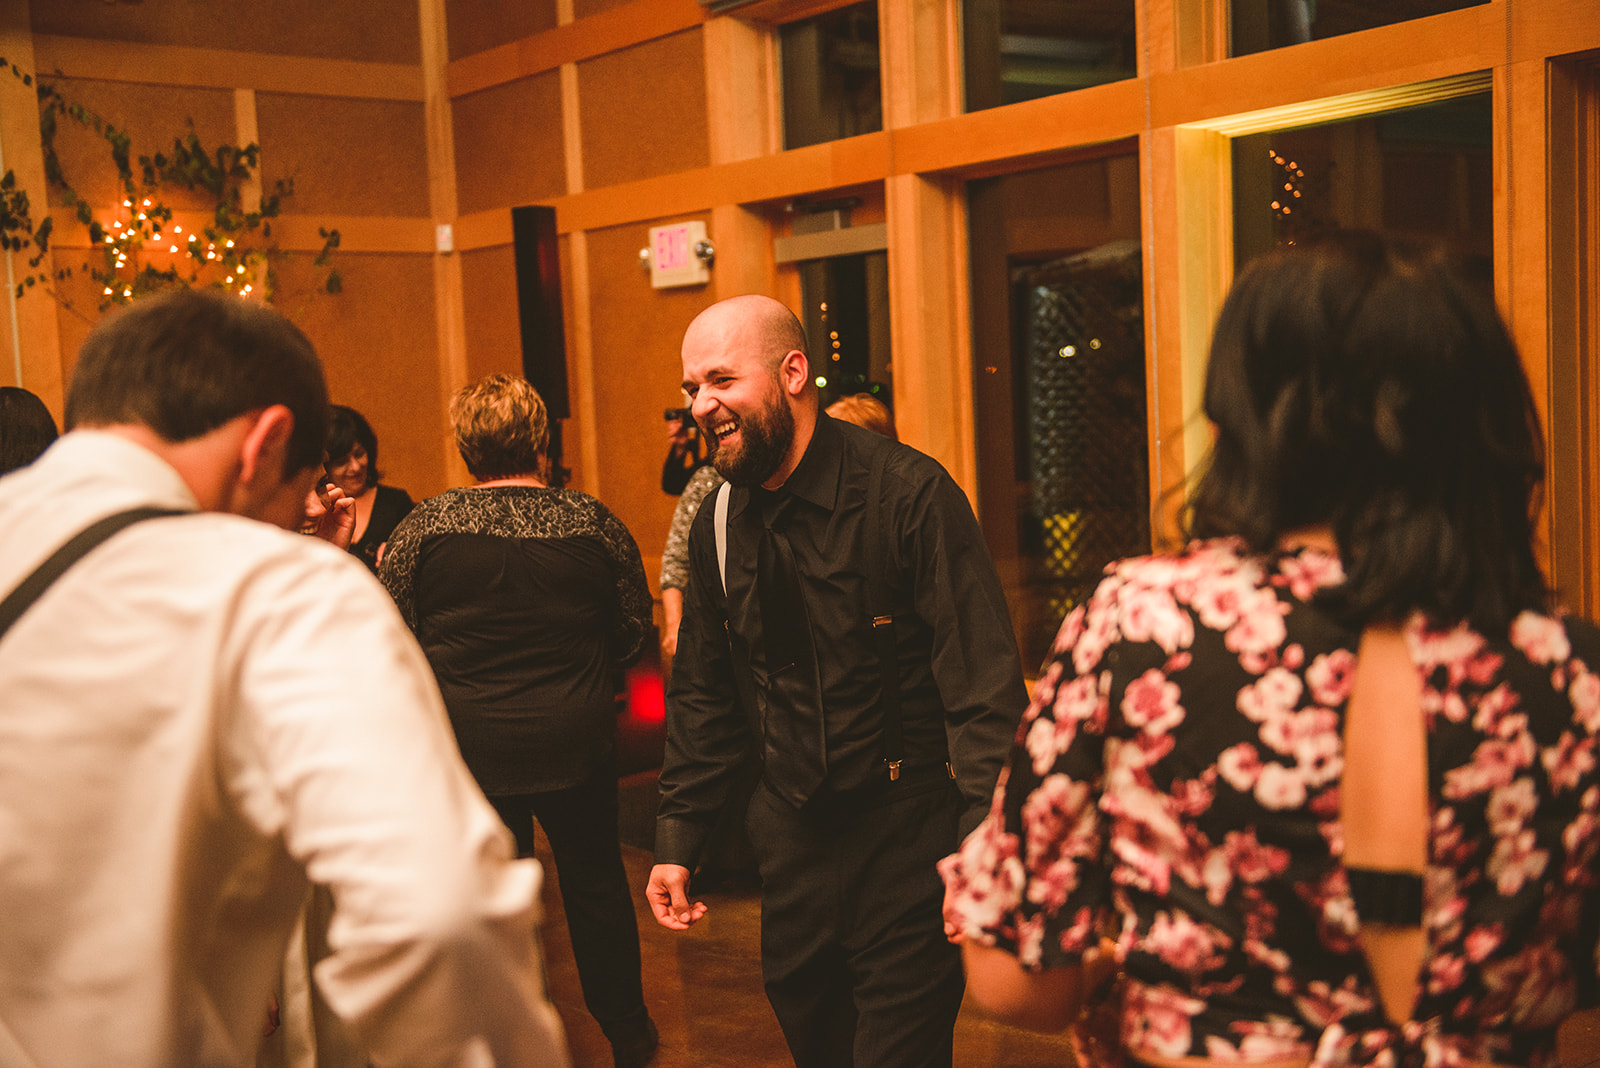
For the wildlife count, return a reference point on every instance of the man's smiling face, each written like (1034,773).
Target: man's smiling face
(739,404)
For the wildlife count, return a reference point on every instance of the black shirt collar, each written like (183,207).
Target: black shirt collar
(816,477)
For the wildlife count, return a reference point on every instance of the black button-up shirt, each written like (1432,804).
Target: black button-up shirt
(960,677)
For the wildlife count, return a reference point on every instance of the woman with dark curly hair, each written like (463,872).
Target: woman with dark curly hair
(353,467)
(529,601)
(1330,772)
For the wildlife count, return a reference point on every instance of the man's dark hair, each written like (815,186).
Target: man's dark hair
(26,428)
(1372,387)
(346,429)
(187,361)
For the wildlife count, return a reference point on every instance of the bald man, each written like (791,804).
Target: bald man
(879,746)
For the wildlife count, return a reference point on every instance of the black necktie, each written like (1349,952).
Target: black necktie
(796,747)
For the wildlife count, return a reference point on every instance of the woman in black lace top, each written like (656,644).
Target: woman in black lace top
(529,602)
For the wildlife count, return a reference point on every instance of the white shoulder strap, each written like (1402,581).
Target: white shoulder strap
(722,533)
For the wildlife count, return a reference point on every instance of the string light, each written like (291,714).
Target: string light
(1291,185)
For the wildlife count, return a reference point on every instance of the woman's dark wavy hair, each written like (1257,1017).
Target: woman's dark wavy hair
(1372,387)
(26,428)
(347,429)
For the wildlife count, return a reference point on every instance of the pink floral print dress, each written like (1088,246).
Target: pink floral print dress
(1177,776)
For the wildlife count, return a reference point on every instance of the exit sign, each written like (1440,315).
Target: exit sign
(673,261)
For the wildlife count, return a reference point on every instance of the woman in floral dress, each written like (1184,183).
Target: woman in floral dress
(1329,773)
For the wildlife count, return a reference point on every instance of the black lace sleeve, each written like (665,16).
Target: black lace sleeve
(634,604)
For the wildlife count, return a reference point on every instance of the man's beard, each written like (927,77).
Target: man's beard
(765,438)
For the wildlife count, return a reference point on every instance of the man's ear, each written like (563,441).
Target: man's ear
(265,447)
(794,371)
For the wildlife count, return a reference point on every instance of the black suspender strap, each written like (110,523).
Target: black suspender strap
(20,599)
(882,613)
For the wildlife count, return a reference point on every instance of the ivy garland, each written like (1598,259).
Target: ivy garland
(232,250)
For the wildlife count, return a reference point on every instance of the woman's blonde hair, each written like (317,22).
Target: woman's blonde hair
(865,410)
(502,427)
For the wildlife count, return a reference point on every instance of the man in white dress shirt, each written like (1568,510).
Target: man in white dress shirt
(204,713)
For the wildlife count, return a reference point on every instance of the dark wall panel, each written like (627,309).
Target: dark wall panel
(379,31)
(347,157)
(643,110)
(508,144)
(378,342)
(637,336)
(489,284)
(478,25)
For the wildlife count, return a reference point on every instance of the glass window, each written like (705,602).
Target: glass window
(846,316)
(831,85)
(1022,49)
(1058,348)
(1259,25)
(1424,172)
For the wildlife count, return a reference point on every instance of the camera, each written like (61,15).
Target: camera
(683,415)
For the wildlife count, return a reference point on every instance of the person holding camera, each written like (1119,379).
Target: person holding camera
(684,453)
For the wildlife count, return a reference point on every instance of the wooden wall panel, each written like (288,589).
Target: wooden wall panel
(479,25)
(489,286)
(508,144)
(585,8)
(153,116)
(636,337)
(377,342)
(377,30)
(350,157)
(643,111)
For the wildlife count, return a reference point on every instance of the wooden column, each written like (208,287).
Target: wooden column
(929,310)
(743,102)
(1188,266)
(449,295)
(32,338)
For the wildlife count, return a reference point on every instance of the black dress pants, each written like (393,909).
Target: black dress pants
(581,824)
(853,952)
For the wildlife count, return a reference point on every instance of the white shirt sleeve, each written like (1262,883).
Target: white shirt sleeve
(341,745)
